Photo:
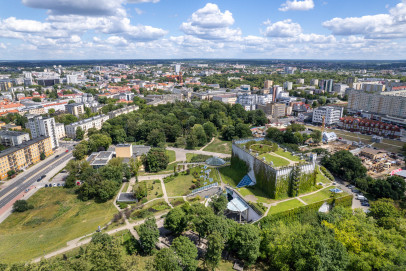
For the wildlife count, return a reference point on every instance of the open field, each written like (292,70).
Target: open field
(277,161)
(284,206)
(319,196)
(58,216)
(154,189)
(231,176)
(220,146)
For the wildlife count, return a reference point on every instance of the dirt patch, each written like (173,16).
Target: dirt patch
(251,198)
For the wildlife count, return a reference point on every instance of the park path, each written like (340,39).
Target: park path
(211,141)
(291,163)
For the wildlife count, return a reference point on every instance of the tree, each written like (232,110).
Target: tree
(166,260)
(156,160)
(200,134)
(80,133)
(42,156)
(149,235)
(140,190)
(71,102)
(385,212)
(246,243)
(187,253)
(393,187)
(228,132)
(316,136)
(215,246)
(242,130)
(219,204)
(176,220)
(135,164)
(191,141)
(209,129)
(51,111)
(80,151)
(99,142)
(345,164)
(11,172)
(21,206)
(156,138)
(36,99)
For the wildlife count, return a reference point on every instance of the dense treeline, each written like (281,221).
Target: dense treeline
(182,123)
(339,240)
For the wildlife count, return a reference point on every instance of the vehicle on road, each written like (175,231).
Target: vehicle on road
(39,179)
(67,151)
(43,176)
(57,156)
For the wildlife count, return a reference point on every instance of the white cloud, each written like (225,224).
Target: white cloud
(297,5)
(142,1)
(2,46)
(211,24)
(285,28)
(388,25)
(139,11)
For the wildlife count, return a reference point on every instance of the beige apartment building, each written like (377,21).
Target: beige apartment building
(392,103)
(24,155)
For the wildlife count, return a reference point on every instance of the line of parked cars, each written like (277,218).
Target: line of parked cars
(54,185)
(40,178)
(359,196)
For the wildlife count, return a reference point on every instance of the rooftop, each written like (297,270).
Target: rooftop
(22,146)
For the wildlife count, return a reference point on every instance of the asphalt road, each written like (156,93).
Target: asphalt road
(22,183)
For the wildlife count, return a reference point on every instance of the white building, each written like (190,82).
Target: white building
(314,82)
(340,88)
(328,137)
(300,81)
(40,126)
(124,110)
(332,115)
(86,124)
(13,138)
(60,130)
(72,79)
(287,86)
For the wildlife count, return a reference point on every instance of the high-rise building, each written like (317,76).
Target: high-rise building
(40,126)
(328,85)
(268,84)
(314,82)
(287,86)
(75,109)
(72,79)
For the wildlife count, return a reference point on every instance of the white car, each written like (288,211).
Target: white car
(54,184)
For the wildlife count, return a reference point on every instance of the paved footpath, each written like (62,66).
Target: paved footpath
(181,153)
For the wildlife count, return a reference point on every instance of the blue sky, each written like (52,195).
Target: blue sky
(130,29)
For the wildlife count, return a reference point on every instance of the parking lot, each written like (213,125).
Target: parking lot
(356,203)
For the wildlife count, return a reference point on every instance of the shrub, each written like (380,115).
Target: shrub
(22,206)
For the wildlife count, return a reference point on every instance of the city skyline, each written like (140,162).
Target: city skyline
(152,29)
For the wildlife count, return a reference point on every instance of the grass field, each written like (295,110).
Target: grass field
(220,146)
(277,161)
(58,216)
(287,155)
(172,155)
(284,206)
(320,178)
(319,196)
(231,176)
(180,186)
(125,188)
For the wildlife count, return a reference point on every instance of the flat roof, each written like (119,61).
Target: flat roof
(22,146)
(237,205)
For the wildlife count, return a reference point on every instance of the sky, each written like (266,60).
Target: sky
(243,29)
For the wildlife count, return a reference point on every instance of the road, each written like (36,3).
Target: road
(22,183)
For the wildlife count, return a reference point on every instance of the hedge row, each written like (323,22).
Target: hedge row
(327,173)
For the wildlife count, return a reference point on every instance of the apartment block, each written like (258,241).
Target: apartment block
(41,126)
(13,138)
(331,115)
(371,127)
(124,110)
(391,103)
(75,109)
(24,155)
(85,125)
(60,130)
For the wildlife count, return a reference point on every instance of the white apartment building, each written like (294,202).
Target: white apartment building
(75,109)
(287,86)
(340,88)
(314,82)
(60,130)
(124,110)
(300,81)
(391,103)
(72,79)
(86,124)
(250,101)
(13,138)
(332,114)
(40,126)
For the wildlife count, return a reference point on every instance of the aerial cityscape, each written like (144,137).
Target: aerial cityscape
(222,135)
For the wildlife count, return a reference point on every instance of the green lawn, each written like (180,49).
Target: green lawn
(257,192)
(287,155)
(284,206)
(180,186)
(172,155)
(220,146)
(319,196)
(277,161)
(320,178)
(58,216)
(231,176)
(125,188)
(154,189)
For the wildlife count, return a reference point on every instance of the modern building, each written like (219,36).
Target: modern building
(226,98)
(314,82)
(124,110)
(275,110)
(300,81)
(95,122)
(368,126)
(100,159)
(13,138)
(327,85)
(24,155)
(329,137)
(41,126)
(75,109)
(71,79)
(331,115)
(46,82)
(60,130)
(391,103)
(268,84)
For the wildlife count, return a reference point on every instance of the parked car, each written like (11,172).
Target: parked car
(58,184)
(360,198)
(43,176)
(67,151)
(57,156)
(46,185)
(365,203)
(54,185)
(39,179)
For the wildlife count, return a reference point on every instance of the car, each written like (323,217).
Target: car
(26,190)
(43,176)
(57,156)
(39,179)
(334,183)
(365,203)
(361,198)
(54,185)
(46,185)
(58,184)
(67,151)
